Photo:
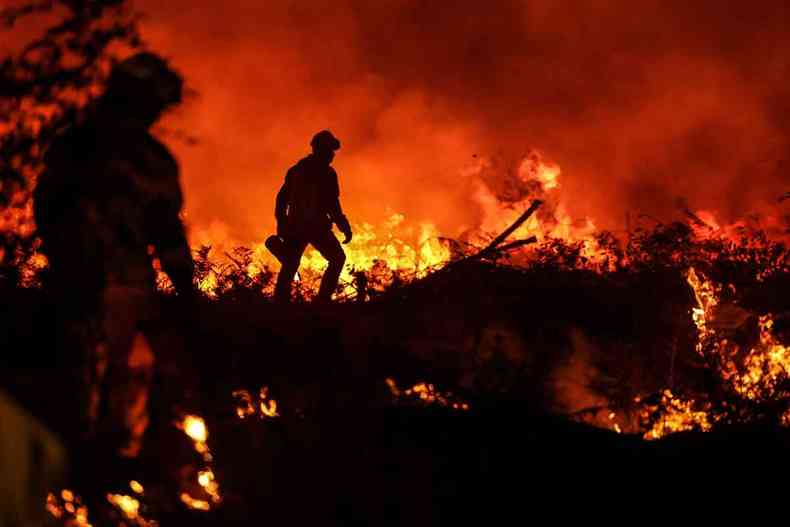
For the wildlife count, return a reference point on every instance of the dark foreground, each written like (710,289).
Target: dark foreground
(344,451)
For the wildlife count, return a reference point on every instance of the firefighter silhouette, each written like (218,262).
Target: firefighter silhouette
(107,203)
(307,205)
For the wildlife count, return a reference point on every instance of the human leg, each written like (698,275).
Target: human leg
(282,290)
(331,250)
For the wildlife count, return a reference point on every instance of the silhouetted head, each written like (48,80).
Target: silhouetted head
(324,144)
(140,88)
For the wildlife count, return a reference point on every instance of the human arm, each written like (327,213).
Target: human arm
(336,211)
(281,205)
(167,234)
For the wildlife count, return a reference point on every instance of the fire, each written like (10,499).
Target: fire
(676,415)
(265,407)
(535,178)
(127,504)
(398,249)
(207,481)
(192,503)
(209,484)
(754,374)
(130,509)
(136,487)
(707,299)
(195,427)
(615,426)
(68,508)
(244,407)
(766,365)
(394,249)
(427,394)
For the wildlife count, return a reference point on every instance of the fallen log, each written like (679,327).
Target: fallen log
(496,247)
(516,224)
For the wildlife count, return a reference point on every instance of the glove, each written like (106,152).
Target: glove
(348,235)
(345,227)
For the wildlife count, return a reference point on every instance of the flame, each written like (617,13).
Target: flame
(244,407)
(616,427)
(427,394)
(398,249)
(265,408)
(192,503)
(68,508)
(207,481)
(755,375)
(136,487)
(130,509)
(268,406)
(536,177)
(677,415)
(195,427)
(766,365)
(395,248)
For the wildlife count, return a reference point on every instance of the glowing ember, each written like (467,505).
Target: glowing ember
(427,394)
(265,407)
(130,509)
(615,426)
(68,509)
(209,484)
(192,503)
(136,487)
(195,427)
(268,406)
(244,406)
(127,504)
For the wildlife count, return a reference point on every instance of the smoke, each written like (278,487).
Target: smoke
(643,105)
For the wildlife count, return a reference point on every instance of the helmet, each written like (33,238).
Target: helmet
(147,74)
(324,140)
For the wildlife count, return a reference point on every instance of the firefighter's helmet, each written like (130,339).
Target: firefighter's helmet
(325,140)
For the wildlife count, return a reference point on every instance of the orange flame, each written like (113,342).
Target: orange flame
(677,415)
(68,508)
(427,394)
(195,427)
(265,408)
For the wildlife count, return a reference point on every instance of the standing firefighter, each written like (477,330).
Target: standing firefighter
(307,205)
(108,200)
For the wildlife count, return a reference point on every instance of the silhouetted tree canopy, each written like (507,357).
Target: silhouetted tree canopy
(43,87)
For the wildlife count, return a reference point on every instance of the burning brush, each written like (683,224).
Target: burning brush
(425,394)
(265,407)
(195,427)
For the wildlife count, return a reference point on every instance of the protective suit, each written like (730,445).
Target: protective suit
(308,204)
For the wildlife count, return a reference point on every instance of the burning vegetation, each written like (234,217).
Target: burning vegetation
(715,354)
(661,329)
